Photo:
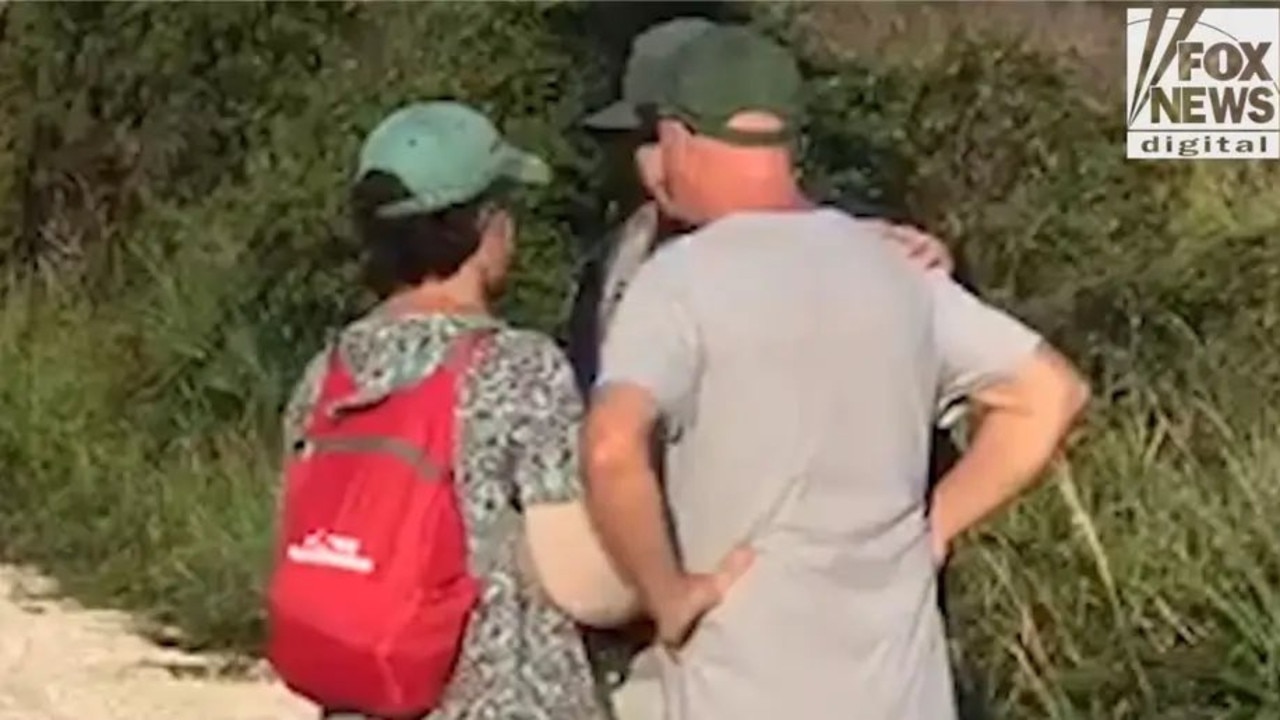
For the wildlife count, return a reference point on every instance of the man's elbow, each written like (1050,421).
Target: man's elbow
(1062,392)
(614,440)
(1079,395)
(607,452)
(1047,390)
(1073,390)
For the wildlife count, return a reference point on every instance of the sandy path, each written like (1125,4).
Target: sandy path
(60,662)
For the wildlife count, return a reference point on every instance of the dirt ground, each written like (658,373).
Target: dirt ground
(61,662)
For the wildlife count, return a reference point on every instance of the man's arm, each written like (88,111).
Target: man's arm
(1029,396)
(650,365)
(1024,422)
(623,495)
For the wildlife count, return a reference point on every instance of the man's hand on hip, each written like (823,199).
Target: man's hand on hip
(678,609)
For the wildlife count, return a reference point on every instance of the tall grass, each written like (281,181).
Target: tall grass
(1140,583)
(173,523)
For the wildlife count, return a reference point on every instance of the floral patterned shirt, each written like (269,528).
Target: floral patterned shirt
(522,658)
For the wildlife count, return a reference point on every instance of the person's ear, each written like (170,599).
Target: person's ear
(672,133)
(497,232)
(496,223)
(497,238)
(652,169)
(508,225)
(649,167)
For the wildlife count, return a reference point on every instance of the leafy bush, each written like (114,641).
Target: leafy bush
(173,215)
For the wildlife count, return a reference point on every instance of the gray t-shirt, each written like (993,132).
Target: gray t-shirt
(798,360)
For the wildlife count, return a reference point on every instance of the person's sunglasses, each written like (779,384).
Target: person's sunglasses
(647,132)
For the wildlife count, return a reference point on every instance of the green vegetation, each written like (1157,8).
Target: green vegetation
(174,245)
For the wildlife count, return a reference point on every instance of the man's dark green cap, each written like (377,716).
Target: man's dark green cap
(730,70)
(646,73)
(444,153)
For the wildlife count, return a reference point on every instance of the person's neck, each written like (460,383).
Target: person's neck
(779,199)
(443,298)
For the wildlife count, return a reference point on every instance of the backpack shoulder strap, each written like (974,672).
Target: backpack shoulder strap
(333,369)
(330,383)
(462,356)
(466,351)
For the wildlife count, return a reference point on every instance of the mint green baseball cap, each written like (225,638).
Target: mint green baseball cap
(445,153)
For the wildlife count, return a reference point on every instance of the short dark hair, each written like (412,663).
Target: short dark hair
(403,251)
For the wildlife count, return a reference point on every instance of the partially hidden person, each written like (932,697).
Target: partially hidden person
(795,362)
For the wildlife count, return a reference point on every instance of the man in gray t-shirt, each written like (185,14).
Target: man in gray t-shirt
(797,362)
(626,132)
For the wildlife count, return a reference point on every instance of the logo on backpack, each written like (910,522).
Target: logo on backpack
(329,550)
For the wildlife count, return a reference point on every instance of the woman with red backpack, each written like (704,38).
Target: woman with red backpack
(434,558)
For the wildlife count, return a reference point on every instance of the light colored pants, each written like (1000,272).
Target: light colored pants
(640,697)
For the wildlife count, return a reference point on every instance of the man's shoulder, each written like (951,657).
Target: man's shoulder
(728,234)
(673,254)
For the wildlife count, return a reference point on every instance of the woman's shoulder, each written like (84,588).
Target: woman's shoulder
(524,368)
(527,350)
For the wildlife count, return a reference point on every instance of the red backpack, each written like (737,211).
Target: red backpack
(371,593)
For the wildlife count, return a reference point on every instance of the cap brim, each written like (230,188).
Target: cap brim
(524,167)
(621,115)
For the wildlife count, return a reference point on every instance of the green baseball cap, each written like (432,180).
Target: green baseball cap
(646,71)
(730,70)
(444,153)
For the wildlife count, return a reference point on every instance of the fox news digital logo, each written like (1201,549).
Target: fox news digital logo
(1202,83)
